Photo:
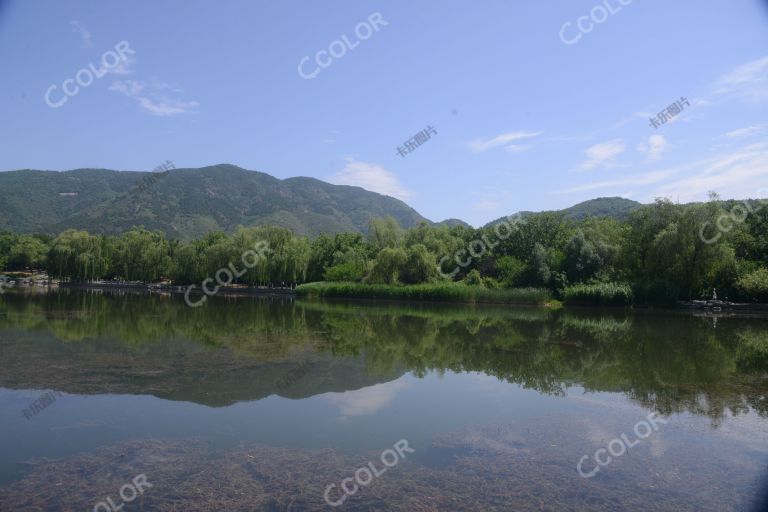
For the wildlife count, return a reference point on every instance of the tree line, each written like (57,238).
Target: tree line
(663,251)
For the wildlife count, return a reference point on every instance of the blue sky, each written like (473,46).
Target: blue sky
(524,121)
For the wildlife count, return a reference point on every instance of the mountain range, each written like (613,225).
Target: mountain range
(188,203)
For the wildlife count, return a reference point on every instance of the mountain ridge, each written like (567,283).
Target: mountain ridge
(187,202)
(191,202)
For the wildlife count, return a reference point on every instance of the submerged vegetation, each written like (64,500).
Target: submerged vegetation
(661,253)
(493,468)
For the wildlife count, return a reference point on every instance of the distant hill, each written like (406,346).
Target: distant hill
(612,207)
(187,203)
(452,223)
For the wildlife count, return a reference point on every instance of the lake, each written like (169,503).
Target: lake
(132,401)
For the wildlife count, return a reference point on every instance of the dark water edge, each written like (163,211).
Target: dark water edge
(196,292)
(695,307)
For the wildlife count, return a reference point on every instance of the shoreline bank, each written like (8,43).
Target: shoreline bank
(411,294)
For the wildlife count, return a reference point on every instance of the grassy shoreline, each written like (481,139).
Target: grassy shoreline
(441,292)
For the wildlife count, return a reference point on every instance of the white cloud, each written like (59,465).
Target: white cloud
(127,87)
(746,132)
(655,147)
(480,145)
(123,66)
(737,174)
(749,80)
(166,107)
(370,177)
(162,86)
(366,401)
(634,117)
(602,154)
(516,148)
(85,34)
(151,100)
(747,72)
(638,179)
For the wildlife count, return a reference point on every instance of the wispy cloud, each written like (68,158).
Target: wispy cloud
(85,34)
(746,132)
(634,117)
(602,154)
(127,87)
(735,174)
(505,139)
(749,81)
(748,72)
(370,177)
(167,107)
(648,178)
(152,98)
(654,148)
(124,67)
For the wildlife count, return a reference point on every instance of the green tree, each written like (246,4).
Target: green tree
(141,255)
(754,285)
(509,269)
(585,260)
(78,256)
(384,233)
(387,266)
(419,266)
(27,252)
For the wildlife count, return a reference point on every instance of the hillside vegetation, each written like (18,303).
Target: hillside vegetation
(617,208)
(187,203)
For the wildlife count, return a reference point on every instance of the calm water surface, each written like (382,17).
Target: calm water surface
(262,404)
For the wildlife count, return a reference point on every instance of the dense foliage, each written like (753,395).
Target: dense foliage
(663,252)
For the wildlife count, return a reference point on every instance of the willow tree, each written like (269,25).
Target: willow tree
(79,256)
(141,255)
